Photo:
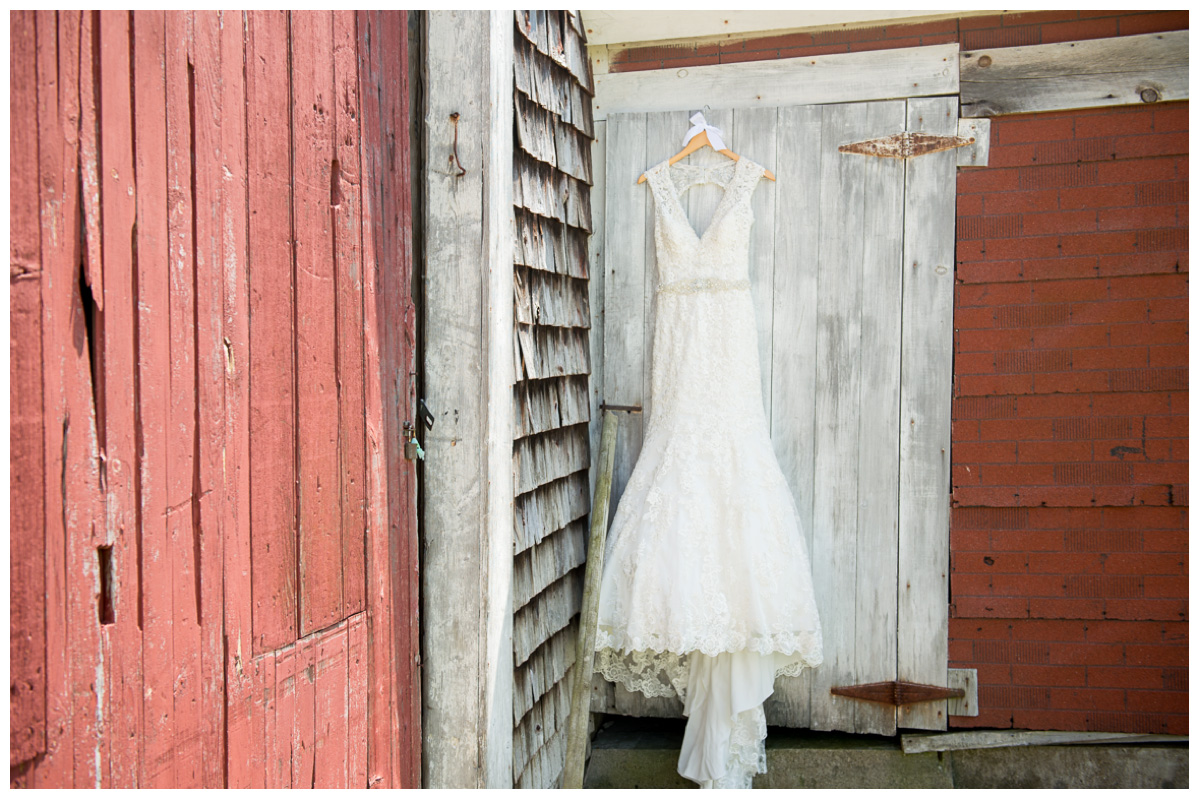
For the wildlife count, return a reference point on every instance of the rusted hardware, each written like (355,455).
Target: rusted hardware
(897,693)
(454,158)
(611,407)
(906,145)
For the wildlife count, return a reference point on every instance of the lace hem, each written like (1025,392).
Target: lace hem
(747,751)
(806,645)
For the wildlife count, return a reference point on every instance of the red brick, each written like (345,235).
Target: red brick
(1000,37)
(1022,430)
(1166,588)
(974,317)
(1136,403)
(655,53)
(1032,406)
(1049,720)
(1088,699)
(1118,122)
(1171,117)
(1004,607)
(1065,608)
(904,30)
(1015,130)
(1000,294)
(1179,402)
(989,180)
(1042,452)
(960,651)
(1149,333)
(1098,243)
(884,44)
(1016,475)
(1162,655)
(1051,630)
(1158,702)
(1131,448)
(1079,31)
(758,55)
(985,453)
(1137,170)
(1037,17)
(980,629)
(939,38)
(815,50)
(981,385)
(1113,196)
(849,35)
(1025,247)
(970,23)
(1000,563)
(1091,381)
(1124,632)
(1066,563)
(1124,677)
(970,585)
(774,42)
(1058,222)
(1045,675)
(1164,542)
(1071,336)
(1168,308)
(968,205)
(1158,144)
(1111,311)
(992,341)
(1146,564)
(1021,202)
(1146,609)
(1154,22)
(1150,286)
(1027,542)
(690,61)
(1087,654)
(1110,358)
(969,271)
(969,541)
(1027,585)
(1060,268)
(1169,356)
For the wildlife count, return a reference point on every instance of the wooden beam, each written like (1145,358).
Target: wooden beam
(1125,70)
(982,740)
(466,570)
(842,78)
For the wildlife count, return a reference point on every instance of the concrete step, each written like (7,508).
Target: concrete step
(641,753)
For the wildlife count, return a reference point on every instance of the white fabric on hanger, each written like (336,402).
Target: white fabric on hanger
(699,125)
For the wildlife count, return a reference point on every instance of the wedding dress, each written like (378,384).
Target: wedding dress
(707,590)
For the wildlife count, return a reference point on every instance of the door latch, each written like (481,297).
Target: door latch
(412,448)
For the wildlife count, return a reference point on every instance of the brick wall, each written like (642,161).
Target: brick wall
(973,33)
(1069,549)
(1069,573)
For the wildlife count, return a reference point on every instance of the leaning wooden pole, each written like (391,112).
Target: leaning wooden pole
(577,722)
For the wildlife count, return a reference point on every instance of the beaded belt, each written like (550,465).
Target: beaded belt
(696,285)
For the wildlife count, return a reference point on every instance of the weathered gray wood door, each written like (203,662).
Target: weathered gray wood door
(852,278)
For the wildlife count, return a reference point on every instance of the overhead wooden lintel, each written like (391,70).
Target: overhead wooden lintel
(1123,70)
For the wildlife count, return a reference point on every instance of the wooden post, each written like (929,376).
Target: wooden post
(585,647)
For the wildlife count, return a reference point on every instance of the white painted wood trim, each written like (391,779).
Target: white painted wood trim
(984,740)
(968,704)
(466,569)
(841,78)
(975,154)
(498,333)
(636,27)
(1068,75)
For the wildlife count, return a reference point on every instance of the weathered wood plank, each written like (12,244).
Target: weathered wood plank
(332,693)
(313,148)
(981,740)
(596,255)
(123,652)
(549,508)
(28,484)
(539,566)
(347,195)
(304,732)
(840,78)
(273,476)
(150,261)
(836,429)
(797,235)
(357,729)
(624,288)
(244,708)
(976,153)
(878,405)
(1124,70)
(968,704)
(756,131)
(208,184)
(925,390)
(183,470)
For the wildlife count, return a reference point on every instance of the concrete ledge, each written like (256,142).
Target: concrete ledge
(630,753)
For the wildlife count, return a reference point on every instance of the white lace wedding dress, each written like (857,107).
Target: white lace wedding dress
(707,590)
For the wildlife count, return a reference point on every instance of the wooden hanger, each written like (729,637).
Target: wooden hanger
(701,140)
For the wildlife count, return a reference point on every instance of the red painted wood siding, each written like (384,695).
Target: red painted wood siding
(213,529)
(1069,549)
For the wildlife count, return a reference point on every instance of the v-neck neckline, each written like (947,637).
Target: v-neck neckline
(665,172)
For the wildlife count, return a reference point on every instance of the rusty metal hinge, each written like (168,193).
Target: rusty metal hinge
(897,693)
(905,145)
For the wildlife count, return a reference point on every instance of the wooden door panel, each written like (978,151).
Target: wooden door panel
(829,246)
